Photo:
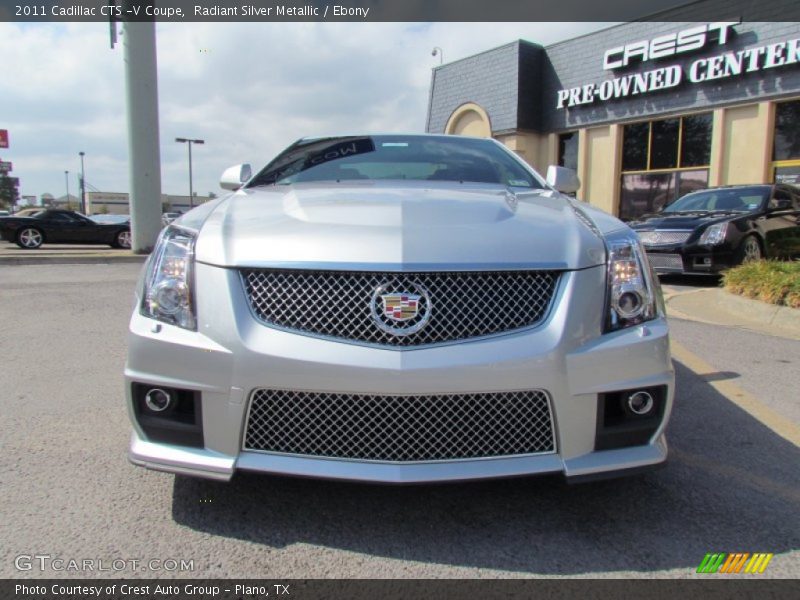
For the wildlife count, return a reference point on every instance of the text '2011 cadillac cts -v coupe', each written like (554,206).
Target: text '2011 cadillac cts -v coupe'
(398,308)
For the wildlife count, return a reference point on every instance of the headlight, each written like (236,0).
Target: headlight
(168,285)
(714,235)
(632,289)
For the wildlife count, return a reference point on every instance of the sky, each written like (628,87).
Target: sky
(248,89)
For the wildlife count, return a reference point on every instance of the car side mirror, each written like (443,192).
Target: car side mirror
(563,180)
(780,204)
(234,177)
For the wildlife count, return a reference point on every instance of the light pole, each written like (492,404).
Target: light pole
(438,52)
(66,180)
(189,143)
(83,185)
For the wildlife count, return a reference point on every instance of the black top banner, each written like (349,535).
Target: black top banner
(392,10)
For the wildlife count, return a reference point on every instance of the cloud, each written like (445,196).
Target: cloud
(247,89)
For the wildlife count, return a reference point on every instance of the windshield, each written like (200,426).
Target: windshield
(113,219)
(392,157)
(28,212)
(742,199)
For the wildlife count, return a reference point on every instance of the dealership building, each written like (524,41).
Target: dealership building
(644,111)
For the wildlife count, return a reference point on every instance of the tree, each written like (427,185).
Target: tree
(9,193)
(103,210)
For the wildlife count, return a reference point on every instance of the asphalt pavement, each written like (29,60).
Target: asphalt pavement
(732,483)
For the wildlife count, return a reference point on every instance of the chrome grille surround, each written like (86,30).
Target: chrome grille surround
(665,262)
(415,428)
(664,237)
(458,305)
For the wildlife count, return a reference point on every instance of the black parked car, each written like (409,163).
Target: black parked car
(714,229)
(53,226)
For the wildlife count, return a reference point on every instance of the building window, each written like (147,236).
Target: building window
(663,160)
(644,193)
(635,140)
(696,140)
(568,150)
(786,148)
(664,141)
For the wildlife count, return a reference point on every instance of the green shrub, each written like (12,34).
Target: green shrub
(766,280)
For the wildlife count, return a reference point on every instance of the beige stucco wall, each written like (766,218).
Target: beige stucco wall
(471,120)
(741,149)
(531,147)
(743,152)
(471,124)
(599,156)
(599,153)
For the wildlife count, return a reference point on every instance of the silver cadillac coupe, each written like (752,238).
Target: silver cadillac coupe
(398,308)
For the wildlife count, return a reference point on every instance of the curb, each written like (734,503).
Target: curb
(771,314)
(70,260)
(718,307)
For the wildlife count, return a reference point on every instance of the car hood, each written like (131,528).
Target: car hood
(381,225)
(688,222)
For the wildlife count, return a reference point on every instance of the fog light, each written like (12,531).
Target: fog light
(158,400)
(640,403)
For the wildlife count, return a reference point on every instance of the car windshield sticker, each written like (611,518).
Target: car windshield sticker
(338,151)
(519,183)
(394,145)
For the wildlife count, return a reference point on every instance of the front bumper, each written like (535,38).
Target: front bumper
(690,260)
(232,354)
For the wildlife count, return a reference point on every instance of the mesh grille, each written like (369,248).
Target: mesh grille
(666,261)
(663,238)
(450,305)
(399,428)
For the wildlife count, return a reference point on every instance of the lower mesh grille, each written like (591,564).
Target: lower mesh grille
(666,261)
(399,428)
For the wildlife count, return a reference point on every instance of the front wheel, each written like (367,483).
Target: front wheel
(749,250)
(29,238)
(123,239)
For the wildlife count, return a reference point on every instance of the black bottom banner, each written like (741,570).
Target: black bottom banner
(367,589)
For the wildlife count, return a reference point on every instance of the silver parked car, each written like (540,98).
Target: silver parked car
(398,308)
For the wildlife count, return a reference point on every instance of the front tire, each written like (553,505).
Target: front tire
(749,250)
(29,238)
(122,239)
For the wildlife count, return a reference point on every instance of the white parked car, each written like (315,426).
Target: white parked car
(169,217)
(398,308)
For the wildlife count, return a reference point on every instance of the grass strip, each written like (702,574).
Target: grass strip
(770,281)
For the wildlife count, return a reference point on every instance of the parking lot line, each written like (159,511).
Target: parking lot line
(744,400)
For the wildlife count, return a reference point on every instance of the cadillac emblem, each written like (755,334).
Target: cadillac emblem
(650,238)
(400,310)
(400,307)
